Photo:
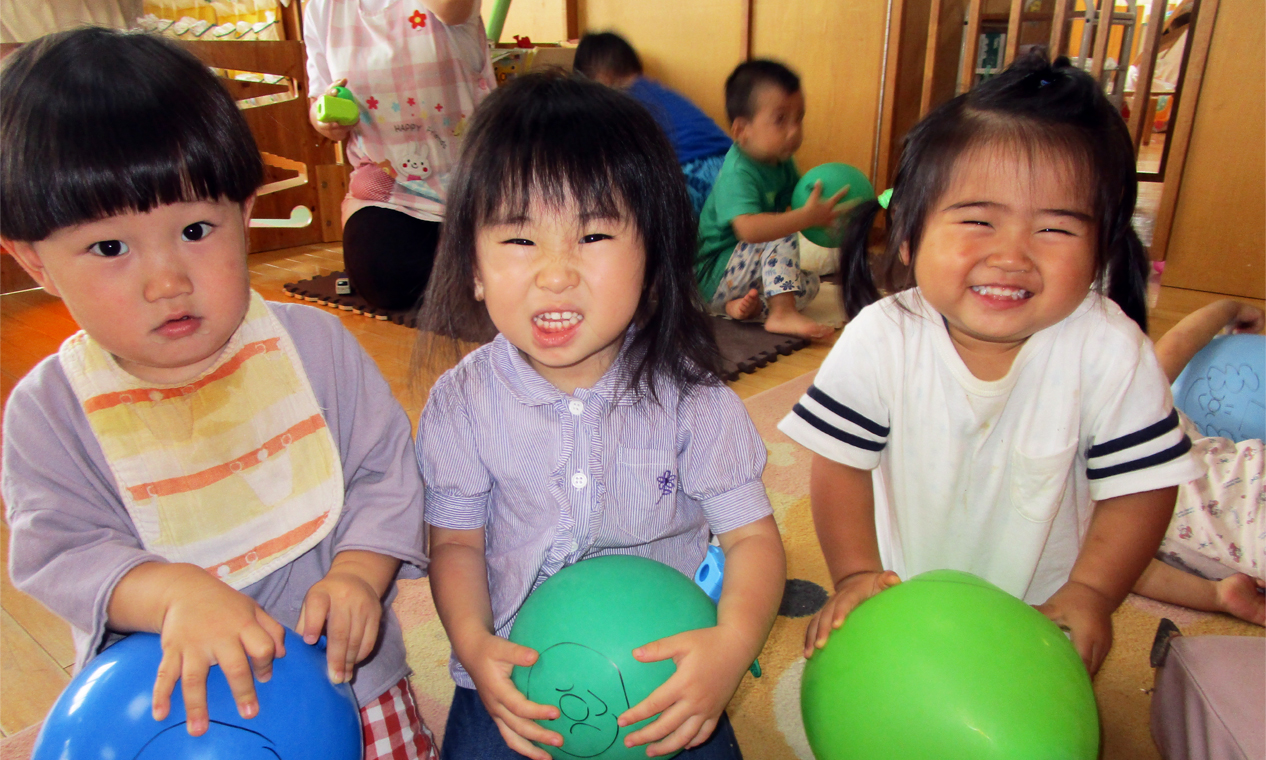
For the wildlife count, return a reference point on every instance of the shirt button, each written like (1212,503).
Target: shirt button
(579,480)
(574,545)
(576,407)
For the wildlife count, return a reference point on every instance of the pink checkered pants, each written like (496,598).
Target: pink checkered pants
(393,728)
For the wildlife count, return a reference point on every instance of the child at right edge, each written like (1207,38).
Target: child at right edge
(1213,556)
(748,263)
(1003,412)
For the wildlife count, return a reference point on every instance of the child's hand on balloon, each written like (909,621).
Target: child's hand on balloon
(849,592)
(349,610)
(824,213)
(209,623)
(1087,615)
(691,701)
(489,661)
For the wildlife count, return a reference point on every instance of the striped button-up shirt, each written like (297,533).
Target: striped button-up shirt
(553,478)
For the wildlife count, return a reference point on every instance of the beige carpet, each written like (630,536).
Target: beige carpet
(765,711)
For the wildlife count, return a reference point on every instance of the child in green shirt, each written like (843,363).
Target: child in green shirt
(748,263)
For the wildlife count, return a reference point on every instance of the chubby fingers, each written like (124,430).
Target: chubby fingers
(312,615)
(520,744)
(839,196)
(260,648)
(333,88)
(165,682)
(818,620)
(672,717)
(681,738)
(516,714)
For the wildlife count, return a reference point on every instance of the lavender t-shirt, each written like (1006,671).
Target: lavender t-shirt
(554,479)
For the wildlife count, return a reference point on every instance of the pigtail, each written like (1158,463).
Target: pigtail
(1127,272)
(859,289)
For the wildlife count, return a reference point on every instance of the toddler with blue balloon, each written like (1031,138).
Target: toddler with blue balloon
(196,462)
(593,424)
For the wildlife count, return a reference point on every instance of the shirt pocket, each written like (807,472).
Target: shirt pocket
(645,503)
(1038,483)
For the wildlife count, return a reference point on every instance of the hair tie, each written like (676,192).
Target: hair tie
(884,198)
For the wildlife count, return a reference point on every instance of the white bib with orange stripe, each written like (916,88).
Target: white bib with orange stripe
(234,471)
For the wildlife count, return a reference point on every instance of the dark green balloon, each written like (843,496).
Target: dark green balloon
(948,666)
(834,177)
(585,622)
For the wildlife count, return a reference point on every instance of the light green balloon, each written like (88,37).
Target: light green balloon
(948,666)
(585,621)
(834,177)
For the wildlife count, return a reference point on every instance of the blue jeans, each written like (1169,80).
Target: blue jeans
(471,735)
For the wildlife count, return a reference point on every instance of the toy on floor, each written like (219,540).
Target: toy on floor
(948,665)
(585,622)
(339,108)
(105,712)
(1223,388)
(833,177)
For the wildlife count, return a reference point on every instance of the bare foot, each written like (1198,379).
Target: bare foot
(744,308)
(795,323)
(1239,595)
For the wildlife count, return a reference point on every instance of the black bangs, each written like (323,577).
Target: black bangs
(564,142)
(590,148)
(95,123)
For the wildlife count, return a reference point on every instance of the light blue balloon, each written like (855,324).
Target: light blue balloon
(1223,388)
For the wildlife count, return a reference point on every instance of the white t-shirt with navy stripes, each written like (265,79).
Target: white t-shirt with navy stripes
(996,478)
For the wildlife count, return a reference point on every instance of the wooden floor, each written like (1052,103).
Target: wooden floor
(35,648)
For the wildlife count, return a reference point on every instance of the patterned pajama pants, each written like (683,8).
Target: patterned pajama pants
(393,729)
(772,268)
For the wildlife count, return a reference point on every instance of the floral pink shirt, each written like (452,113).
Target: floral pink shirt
(416,82)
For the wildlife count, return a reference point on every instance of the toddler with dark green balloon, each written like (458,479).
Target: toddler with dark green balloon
(748,260)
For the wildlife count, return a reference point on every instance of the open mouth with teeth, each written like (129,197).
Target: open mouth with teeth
(557,321)
(1001,292)
(556,328)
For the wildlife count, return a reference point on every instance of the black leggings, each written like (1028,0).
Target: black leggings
(388,255)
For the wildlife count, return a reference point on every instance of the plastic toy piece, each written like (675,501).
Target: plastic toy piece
(339,108)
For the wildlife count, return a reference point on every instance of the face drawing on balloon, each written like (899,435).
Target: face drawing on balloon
(1221,400)
(228,740)
(589,691)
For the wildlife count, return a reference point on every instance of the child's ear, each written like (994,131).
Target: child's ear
(738,127)
(247,205)
(479,287)
(29,260)
(904,253)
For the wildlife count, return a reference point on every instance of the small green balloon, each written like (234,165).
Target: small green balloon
(834,177)
(947,665)
(584,622)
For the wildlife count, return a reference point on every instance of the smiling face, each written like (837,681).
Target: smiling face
(562,288)
(774,132)
(1007,250)
(589,692)
(162,291)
